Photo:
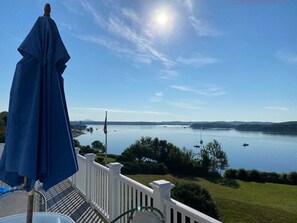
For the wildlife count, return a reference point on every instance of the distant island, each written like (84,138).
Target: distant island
(289,128)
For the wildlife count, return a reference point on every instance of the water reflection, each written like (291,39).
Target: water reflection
(266,152)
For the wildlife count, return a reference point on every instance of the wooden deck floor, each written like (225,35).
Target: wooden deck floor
(64,199)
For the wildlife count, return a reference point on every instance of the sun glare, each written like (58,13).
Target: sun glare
(162,19)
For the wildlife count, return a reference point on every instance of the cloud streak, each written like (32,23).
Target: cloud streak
(114,110)
(197,61)
(277,108)
(126,27)
(202,28)
(129,35)
(211,90)
(286,57)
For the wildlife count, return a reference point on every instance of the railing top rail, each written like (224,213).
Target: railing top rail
(104,168)
(81,157)
(136,184)
(190,212)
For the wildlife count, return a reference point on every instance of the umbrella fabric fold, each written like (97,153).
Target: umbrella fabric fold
(39,142)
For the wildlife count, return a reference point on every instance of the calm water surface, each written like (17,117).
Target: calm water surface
(265,152)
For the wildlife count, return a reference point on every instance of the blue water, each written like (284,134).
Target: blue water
(266,152)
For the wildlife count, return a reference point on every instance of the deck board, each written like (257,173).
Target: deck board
(64,199)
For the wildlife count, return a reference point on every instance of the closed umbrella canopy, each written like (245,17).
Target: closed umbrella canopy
(39,142)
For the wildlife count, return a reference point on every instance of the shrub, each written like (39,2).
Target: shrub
(257,176)
(113,156)
(130,168)
(99,159)
(144,168)
(284,178)
(254,175)
(230,173)
(242,174)
(86,149)
(273,177)
(196,197)
(292,177)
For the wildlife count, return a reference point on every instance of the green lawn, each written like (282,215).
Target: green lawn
(240,201)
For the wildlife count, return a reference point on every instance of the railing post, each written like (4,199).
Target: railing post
(114,190)
(73,178)
(161,190)
(90,157)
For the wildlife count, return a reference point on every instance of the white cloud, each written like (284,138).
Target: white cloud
(210,90)
(182,88)
(93,12)
(159,94)
(116,47)
(202,28)
(141,43)
(277,108)
(131,14)
(193,105)
(67,26)
(169,74)
(286,57)
(73,6)
(135,38)
(115,110)
(197,61)
(188,4)
(186,105)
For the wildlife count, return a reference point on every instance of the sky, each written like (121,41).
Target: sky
(174,60)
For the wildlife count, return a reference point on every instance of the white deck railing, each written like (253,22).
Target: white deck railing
(112,193)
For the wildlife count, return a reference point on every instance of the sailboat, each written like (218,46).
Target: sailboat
(200,142)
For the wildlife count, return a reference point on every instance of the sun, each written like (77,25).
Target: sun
(162,21)
(162,18)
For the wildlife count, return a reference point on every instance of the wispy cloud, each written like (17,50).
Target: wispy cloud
(183,88)
(169,74)
(128,35)
(90,9)
(123,25)
(117,48)
(210,90)
(277,108)
(286,57)
(130,78)
(197,61)
(203,28)
(186,105)
(68,26)
(159,94)
(132,15)
(188,4)
(193,105)
(73,6)
(114,110)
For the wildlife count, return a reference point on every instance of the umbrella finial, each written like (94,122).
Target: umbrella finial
(47,10)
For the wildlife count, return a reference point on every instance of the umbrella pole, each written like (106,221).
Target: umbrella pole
(30,203)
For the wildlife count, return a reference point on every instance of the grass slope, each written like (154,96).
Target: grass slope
(241,202)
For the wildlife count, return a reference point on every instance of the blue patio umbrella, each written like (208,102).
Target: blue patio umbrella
(39,144)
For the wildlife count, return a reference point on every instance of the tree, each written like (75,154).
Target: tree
(76,143)
(3,124)
(292,177)
(160,153)
(196,197)
(98,146)
(213,158)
